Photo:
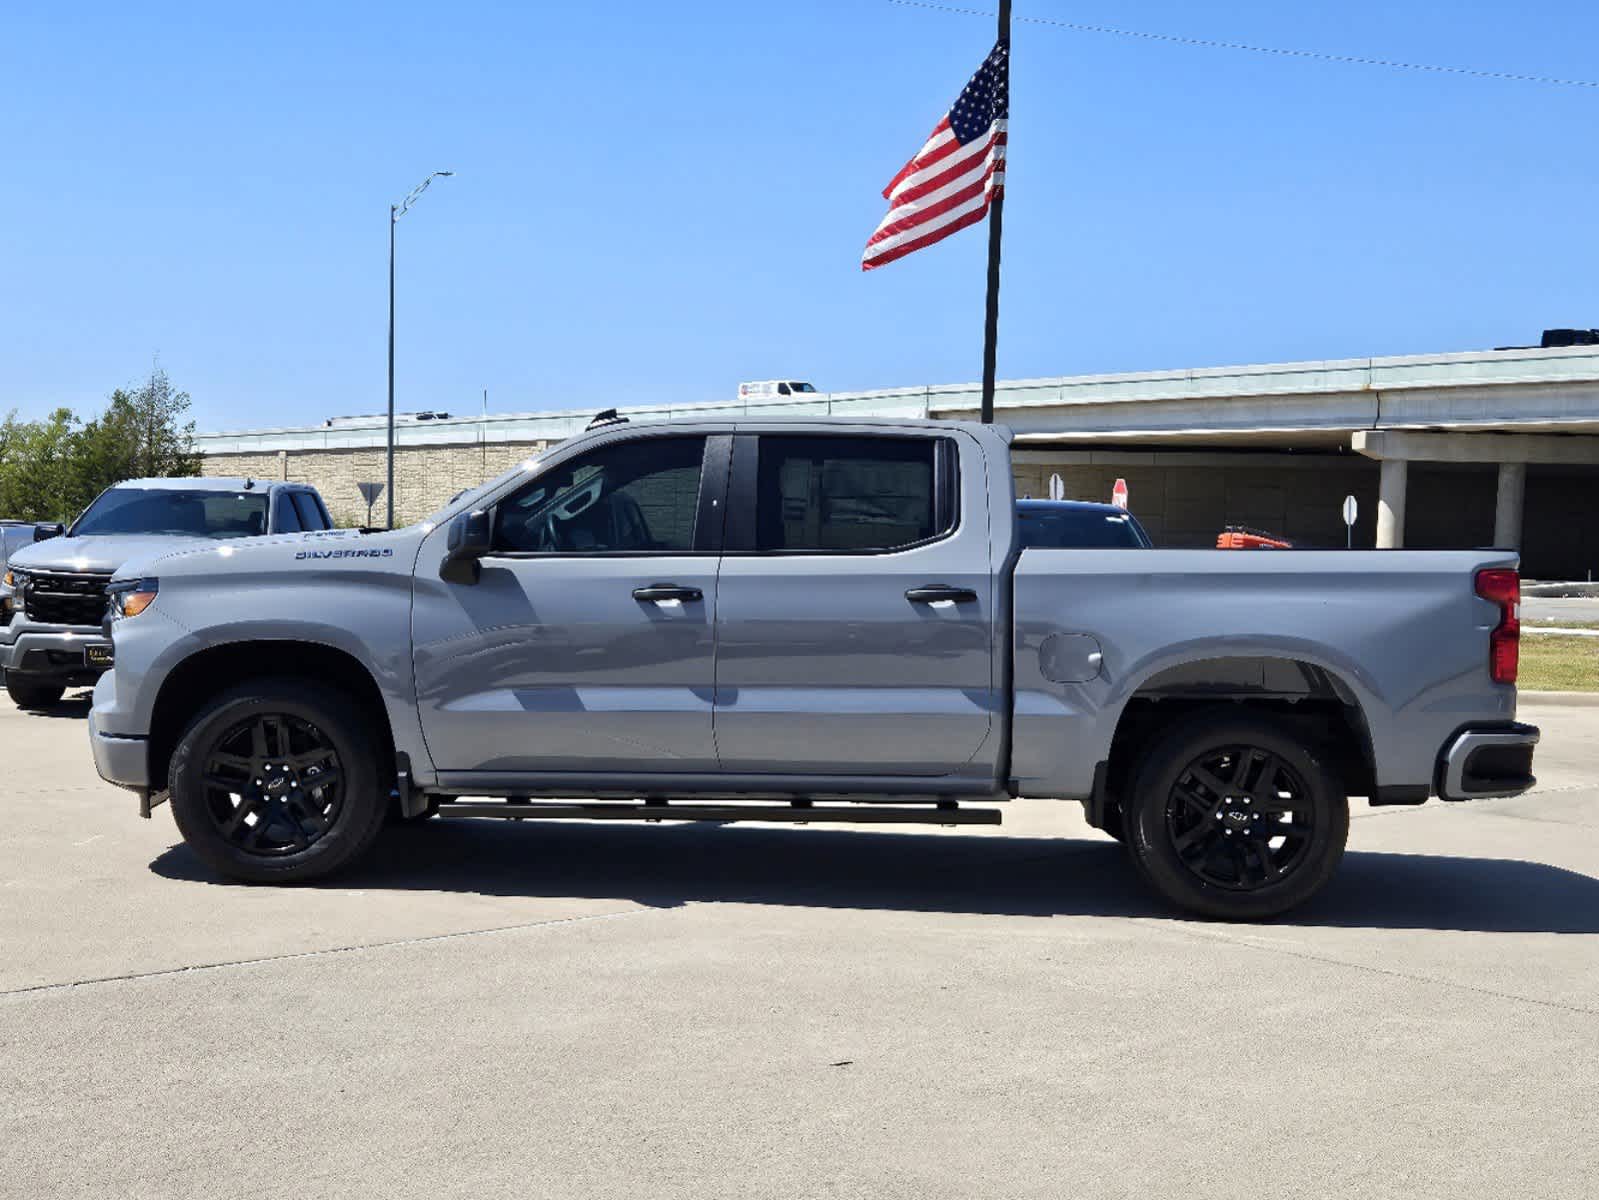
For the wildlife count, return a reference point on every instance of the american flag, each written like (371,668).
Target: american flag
(950,182)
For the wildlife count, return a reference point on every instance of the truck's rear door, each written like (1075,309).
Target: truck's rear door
(854,606)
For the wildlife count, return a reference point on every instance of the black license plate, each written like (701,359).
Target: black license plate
(97,656)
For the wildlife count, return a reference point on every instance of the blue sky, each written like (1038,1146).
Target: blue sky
(654,201)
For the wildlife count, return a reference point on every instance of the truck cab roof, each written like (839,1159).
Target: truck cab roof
(204,483)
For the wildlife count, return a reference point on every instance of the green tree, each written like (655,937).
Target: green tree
(52,469)
(36,465)
(143,430)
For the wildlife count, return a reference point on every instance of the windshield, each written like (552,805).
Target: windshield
(175,512)
(801,387)
(1084,528)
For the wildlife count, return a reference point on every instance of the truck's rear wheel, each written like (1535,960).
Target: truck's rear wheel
(32,695)
(1232,816)
(277,782)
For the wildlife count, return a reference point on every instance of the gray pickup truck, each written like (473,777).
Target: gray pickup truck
(803,621)
(53,598)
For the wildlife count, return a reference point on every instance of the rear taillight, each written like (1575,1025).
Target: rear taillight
(1503,587)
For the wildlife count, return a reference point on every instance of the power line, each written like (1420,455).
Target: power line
(1210,44)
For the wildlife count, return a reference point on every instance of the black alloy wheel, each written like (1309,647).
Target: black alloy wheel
(1239,818)
(281,780)
(1234,815)
(274,784)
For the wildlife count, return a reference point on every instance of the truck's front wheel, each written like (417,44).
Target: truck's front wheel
(1232,816)
(278,782)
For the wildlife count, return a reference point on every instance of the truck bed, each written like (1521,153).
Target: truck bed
(1401,635)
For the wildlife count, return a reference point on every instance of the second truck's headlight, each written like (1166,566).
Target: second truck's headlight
(130,597)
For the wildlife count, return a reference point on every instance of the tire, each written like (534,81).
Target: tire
(247,826)
(32,695)
(1233,816)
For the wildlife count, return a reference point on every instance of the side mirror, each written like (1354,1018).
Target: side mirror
(46,530)
(469,539)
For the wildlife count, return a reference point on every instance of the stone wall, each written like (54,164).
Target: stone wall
(425,477)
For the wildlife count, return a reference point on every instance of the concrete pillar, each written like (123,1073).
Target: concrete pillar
(1391,504)
(1508,509)
(283,465)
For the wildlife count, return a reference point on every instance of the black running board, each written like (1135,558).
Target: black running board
(898,814)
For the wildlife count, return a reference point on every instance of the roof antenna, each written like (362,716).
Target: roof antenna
(249,483)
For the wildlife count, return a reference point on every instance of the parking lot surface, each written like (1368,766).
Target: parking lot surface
(708,1011)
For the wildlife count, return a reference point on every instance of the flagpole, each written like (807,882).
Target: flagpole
(996,225)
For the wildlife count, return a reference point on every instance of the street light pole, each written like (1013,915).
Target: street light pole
(396,211)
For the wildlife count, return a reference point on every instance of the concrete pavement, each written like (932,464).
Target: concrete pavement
(689,1011)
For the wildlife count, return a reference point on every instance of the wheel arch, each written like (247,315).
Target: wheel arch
(1316,701)
(207,672)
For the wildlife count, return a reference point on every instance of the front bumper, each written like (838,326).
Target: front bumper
(57,655)
(1487,761)
(124,761)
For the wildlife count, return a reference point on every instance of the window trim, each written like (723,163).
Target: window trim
(708,536)
(742,540)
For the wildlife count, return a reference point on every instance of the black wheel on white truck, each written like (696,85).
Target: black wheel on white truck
(277,781)
(1233,816)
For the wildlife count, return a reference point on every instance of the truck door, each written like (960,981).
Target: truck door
(586,644)
(855,607)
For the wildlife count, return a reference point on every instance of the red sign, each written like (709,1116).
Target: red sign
(1118,494)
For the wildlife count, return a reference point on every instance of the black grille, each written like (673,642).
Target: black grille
(59,599)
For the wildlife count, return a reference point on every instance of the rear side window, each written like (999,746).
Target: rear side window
(850,494)
(310,514)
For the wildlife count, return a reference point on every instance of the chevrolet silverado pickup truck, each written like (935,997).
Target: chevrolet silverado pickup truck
(808,622)
(53,603)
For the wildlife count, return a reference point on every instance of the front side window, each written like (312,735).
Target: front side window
(174,511)
(629,497)
(846,494)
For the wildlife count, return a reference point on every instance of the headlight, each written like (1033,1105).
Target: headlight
(15,578)
(130,597)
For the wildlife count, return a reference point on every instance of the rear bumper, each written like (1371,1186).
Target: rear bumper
(1488,761)
(124,761)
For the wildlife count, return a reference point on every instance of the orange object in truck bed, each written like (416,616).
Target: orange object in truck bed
(1237,537)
